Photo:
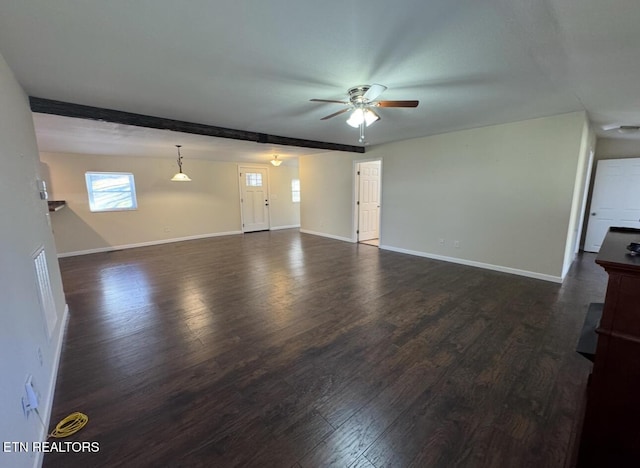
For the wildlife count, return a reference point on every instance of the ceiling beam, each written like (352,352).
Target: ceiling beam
(67,109)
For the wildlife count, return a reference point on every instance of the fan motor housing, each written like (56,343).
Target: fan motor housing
(356,94)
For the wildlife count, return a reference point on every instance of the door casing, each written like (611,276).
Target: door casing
(355,195)
(242,170)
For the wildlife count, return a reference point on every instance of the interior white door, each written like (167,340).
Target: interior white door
(254,198)
(369,201)
(615,200)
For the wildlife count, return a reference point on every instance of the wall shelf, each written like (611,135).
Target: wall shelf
(56,205)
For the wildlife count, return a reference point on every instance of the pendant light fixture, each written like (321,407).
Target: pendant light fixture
(180,176)
(275,161)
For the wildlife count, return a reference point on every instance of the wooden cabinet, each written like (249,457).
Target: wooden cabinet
(611,430)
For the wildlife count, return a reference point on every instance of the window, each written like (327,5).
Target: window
(111,191)
(254,179)
(295,190)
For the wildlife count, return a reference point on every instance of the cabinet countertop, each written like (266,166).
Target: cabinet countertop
(614,253)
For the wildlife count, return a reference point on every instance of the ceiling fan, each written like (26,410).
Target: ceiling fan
(361,104)
(621,128)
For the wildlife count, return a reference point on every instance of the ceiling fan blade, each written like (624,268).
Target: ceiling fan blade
(373,92)
(397,103)
(335,113)
(328,100)
(621,128)
(610,127)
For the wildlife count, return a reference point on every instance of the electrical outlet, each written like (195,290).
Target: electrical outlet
(456,244)
(31,399)
(167,229)
(441,241)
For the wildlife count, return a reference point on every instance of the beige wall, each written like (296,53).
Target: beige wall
(504,192)
(209,205)
(579,201)
(608,148)
(326,181)
(284,212)
(23,231)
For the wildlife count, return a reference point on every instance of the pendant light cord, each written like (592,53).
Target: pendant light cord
(179,159)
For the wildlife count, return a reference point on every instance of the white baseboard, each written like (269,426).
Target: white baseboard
(472,263)
(293,226)
(46,415)
(146,244)
(324,234)
(567,267)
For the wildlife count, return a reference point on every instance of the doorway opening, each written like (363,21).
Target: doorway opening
(367,190)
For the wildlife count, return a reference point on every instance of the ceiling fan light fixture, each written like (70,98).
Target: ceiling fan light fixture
(370,117)
(275,161)
(360,116)
(356,118)
(180,176)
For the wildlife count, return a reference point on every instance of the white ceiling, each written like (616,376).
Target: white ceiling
(253,65)
(58,134)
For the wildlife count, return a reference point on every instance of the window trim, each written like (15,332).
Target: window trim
(90,191)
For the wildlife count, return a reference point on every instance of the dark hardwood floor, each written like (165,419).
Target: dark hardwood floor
(289,350)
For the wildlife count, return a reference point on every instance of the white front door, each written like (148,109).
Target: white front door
(369,200)
(615,200)
(254,198)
